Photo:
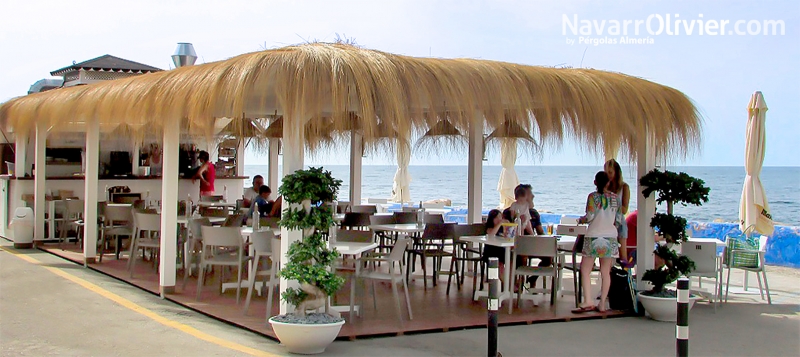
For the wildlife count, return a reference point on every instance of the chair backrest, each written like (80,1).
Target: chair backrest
(342,207)
(377,200)
(118,213)
(381,219)
(433,218)
(762,243)
(433,204)
(212,198)
(262,242)
(271,222)
(222,236)
(536,246)
(703,254)
(355,219)
(236,220)
(148,222)
(399,249)
(411,209)
(405,217)
(464,230)
(568,220)
(195,227)
(439,231)
(348,235)
(75,207)
(371,209)
(276,250)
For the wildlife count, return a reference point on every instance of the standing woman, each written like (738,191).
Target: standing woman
(206,173)
(618,186)
(600,241)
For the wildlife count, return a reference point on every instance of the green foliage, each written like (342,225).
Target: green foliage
(671,188)
(320,218)
(313,184)
(674,267)
(309,260)
(672,228)
(675,188)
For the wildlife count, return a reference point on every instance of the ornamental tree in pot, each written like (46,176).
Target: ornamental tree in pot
(309,262)
(670,188)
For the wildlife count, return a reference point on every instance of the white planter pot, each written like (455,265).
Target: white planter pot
(662,309)
(306,339)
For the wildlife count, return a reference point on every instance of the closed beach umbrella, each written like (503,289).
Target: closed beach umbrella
(754,208)
(402,178)
(508,176)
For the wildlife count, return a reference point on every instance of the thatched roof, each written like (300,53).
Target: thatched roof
(339,82)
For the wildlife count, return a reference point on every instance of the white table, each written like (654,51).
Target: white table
(248,231)
(400,228)
(707,240)
(351,248)
(182,220)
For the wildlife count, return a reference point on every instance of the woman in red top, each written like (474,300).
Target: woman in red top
(206,174)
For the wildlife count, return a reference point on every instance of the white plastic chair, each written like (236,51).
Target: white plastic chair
(759,270)
(73,217)
(395,276)
(707,265)
(117,221)
(150,225)
(222,246)
(533,246)
(265,246)
(193,246)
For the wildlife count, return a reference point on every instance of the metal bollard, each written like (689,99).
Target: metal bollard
(493,305)
(682,324)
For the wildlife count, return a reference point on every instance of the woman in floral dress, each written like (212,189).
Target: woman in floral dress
(600,241)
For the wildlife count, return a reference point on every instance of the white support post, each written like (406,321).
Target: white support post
(169,207)
(90,192)
(356,158)
(137,149)
(240,156)
(20,154)
(475,171)
(272,176)
(293,155)
(646,207)
(40,205)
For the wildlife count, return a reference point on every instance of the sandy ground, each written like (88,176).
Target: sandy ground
(44,314)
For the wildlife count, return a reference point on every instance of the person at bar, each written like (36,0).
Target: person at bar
(251,193)
(206,173)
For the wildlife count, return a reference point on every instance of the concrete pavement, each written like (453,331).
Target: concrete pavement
(46,312)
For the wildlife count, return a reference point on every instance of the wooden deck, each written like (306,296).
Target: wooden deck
(433,310)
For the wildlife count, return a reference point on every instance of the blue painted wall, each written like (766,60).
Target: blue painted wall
(783,247)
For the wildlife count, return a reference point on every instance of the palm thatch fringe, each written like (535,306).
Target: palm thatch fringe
(340,81)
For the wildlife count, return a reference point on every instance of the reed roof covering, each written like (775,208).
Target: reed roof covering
(324,87)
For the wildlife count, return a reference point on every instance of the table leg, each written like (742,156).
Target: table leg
(507,277)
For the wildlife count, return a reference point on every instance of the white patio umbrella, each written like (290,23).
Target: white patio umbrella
(754,208)
(508,176)
(402,178)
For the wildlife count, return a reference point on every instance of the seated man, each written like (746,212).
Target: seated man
(251,193)
(262,202)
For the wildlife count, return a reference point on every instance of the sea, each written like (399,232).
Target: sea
(563,189)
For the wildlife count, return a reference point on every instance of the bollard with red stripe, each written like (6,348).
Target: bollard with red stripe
(493,304)
(682,324)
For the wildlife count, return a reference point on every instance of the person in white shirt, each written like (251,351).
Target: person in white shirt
(522,208)
(600,241)
(251,193)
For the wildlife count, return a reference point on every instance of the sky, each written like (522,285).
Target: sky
(718,72)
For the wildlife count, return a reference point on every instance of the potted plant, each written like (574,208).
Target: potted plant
(671,188)
(309,262)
